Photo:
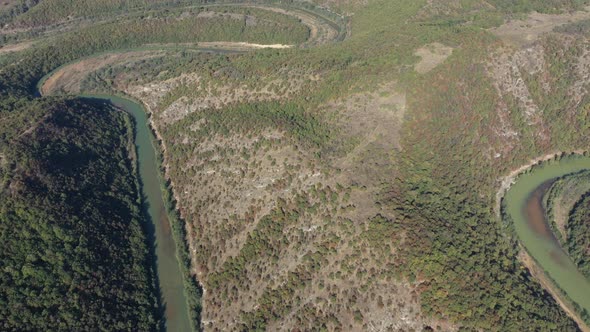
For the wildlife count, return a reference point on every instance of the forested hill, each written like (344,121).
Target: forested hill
(74,252)
(72,249)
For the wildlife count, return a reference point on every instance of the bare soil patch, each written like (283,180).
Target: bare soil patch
(6,5)
(431,56)
(15,47)
(522,33)
(194,91)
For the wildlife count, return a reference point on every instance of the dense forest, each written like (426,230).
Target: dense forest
(567,204)
(578,241)
(74,246)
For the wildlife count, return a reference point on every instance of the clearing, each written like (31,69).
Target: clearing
(523,33)
(431,56)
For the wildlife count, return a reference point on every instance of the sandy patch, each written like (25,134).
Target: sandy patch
(15,47)
(239,46)
(431,56)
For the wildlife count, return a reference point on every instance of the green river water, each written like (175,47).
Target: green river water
(523,205)
(168,266)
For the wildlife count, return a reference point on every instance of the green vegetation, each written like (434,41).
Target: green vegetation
(302,210)
(15,8)
(132,301)
(578,242)
(456,248)
(192,288)
(561,198)
(136,32)
(74,247)
(447,196)
(569,196)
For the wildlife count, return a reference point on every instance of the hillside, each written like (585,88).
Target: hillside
(74,249)
(335,163)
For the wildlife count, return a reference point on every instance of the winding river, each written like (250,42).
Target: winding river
(168,266)
(170,276)
(524,205)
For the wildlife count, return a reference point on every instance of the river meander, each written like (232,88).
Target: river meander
(170,276)
(524,206)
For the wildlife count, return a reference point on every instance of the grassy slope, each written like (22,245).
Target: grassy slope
(451,172)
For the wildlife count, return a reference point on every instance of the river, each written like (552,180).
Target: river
(524,206)
(172,291)
(169,272)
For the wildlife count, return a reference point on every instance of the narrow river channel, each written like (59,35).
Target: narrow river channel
(524,206)
(168,267)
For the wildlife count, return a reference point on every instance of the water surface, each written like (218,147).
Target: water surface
(524,205)
(168,266)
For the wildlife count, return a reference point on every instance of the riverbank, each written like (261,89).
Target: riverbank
(507,181)
(180,228)
(148,228)
(165,213)
(547,284)
(180,294)
(546,259)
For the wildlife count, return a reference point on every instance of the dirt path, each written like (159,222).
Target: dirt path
(241,46)
(69,78)
(320,31)
(15,47)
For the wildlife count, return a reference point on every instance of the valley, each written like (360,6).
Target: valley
(336,165)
